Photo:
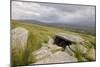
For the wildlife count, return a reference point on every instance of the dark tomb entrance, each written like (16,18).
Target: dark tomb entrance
(62,42)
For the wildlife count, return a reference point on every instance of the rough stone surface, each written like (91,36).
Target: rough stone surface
(19,37)
(50,53)
(73,38)
(41,53)
(58,57)
(18,43)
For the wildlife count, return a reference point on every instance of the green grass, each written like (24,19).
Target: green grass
(39,34)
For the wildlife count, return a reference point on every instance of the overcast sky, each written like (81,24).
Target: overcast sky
(50,13)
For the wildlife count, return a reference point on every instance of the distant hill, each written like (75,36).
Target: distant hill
(76,27)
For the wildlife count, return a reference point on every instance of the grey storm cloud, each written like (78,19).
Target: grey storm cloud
(49,12)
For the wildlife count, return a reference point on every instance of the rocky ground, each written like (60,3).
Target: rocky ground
(49,52)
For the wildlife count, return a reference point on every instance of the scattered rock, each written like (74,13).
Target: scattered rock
(42,53)
(45,51)
(54,48)
(58,57)
(50,53)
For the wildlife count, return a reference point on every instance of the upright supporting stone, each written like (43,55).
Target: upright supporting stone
(19,38)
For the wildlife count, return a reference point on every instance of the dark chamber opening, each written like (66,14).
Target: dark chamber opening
(62,42)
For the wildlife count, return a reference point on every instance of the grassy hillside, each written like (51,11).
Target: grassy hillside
(39,34)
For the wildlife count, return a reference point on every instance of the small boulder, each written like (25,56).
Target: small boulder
(41,53)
